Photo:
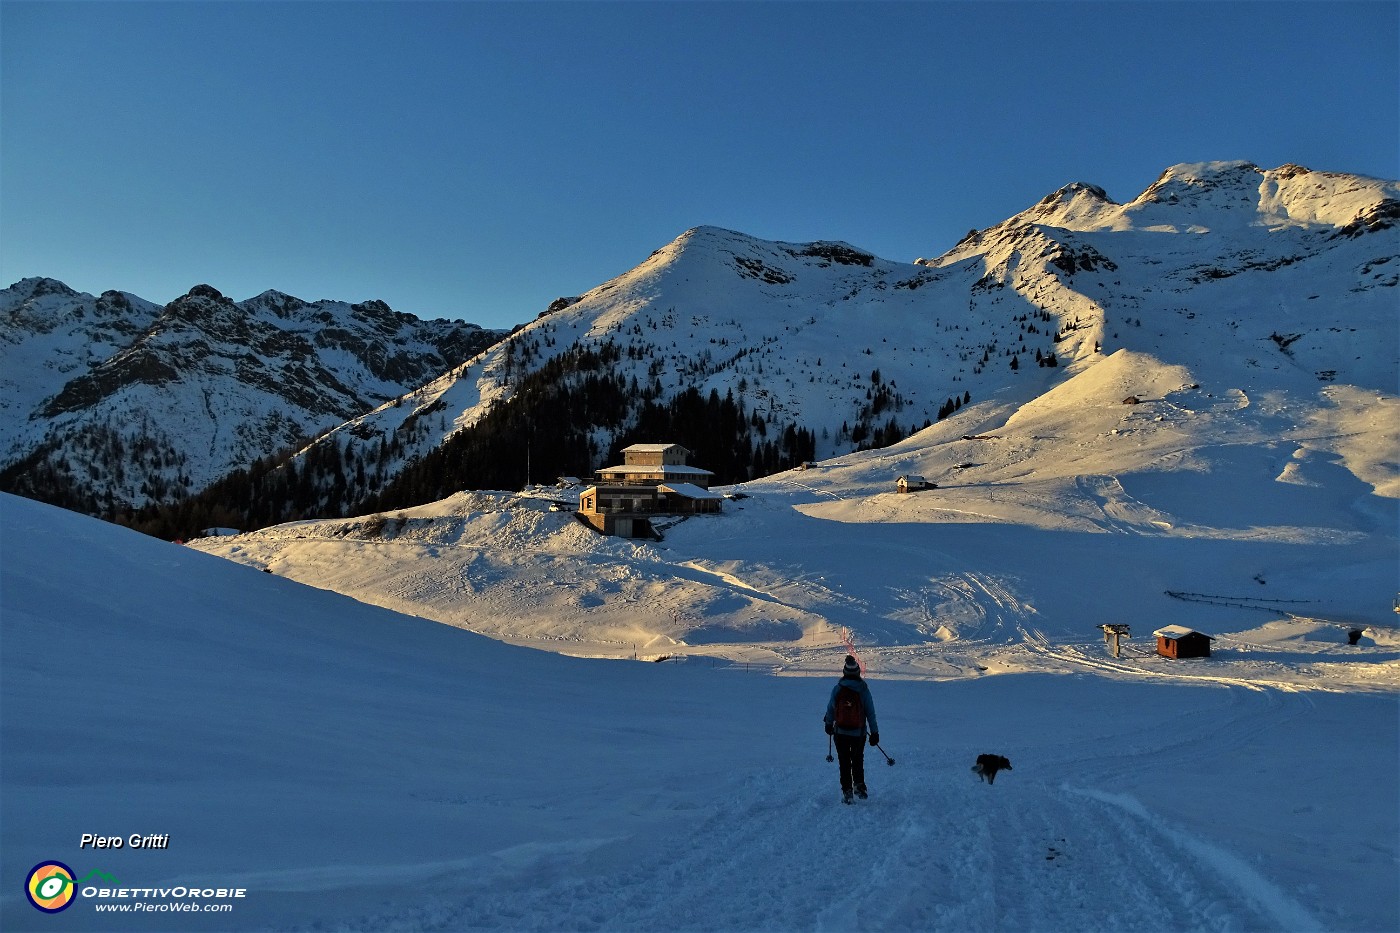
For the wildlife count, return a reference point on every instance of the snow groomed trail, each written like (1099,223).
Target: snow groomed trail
(1078,837)
(934,849)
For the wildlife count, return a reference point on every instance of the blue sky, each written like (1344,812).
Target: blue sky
(477,160)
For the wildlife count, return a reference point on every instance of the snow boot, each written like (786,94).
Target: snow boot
(860,792)
(846,797)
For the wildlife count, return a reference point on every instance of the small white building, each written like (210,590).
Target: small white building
(912,483)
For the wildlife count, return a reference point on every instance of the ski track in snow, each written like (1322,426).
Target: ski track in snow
(924,853)
(1121,512)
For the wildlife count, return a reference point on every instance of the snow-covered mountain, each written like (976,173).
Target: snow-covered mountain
(1221,422)
(1283,278)
(113,402)
(755,354)
(52,335)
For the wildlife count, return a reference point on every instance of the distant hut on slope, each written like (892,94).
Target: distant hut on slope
(1178,641)
(912,483)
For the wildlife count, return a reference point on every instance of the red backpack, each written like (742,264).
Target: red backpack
(850,710)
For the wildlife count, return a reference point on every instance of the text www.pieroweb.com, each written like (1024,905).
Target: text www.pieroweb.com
(183,900)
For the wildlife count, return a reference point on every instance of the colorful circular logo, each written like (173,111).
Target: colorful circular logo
(49,886)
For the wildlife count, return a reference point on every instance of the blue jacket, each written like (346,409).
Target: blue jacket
(857,684)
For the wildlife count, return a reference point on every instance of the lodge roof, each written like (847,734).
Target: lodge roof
(1179,631)
(676,468)
(689,490)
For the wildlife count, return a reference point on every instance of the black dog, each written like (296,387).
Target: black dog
(988,765)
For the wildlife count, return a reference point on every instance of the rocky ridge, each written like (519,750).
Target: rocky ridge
(123,403)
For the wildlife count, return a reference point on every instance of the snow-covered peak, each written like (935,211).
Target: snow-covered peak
(1219,195)
(277,303)
(207,292)
(1197,184)
(36,287)
(709,268)
(709,235)
(704,244)
(1226,197)
(1076,206)
(1293,194)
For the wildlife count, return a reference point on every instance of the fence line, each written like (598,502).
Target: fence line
(1239,602)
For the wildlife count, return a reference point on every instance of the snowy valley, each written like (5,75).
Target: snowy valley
(470,711)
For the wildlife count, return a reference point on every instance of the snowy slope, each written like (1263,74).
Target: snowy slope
(1049,519)
(951,583)
(351,768)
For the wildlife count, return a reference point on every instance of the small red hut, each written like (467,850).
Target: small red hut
(1178,641)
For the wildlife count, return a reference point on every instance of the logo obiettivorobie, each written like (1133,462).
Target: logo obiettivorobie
(50,886)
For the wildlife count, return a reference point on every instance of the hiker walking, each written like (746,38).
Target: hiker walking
(847,713)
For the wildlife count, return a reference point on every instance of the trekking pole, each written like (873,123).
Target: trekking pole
(828,749)
(888,759)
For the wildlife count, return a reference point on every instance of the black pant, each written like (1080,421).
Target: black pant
(850,757)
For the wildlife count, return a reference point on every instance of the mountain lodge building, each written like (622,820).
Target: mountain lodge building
(654,479)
